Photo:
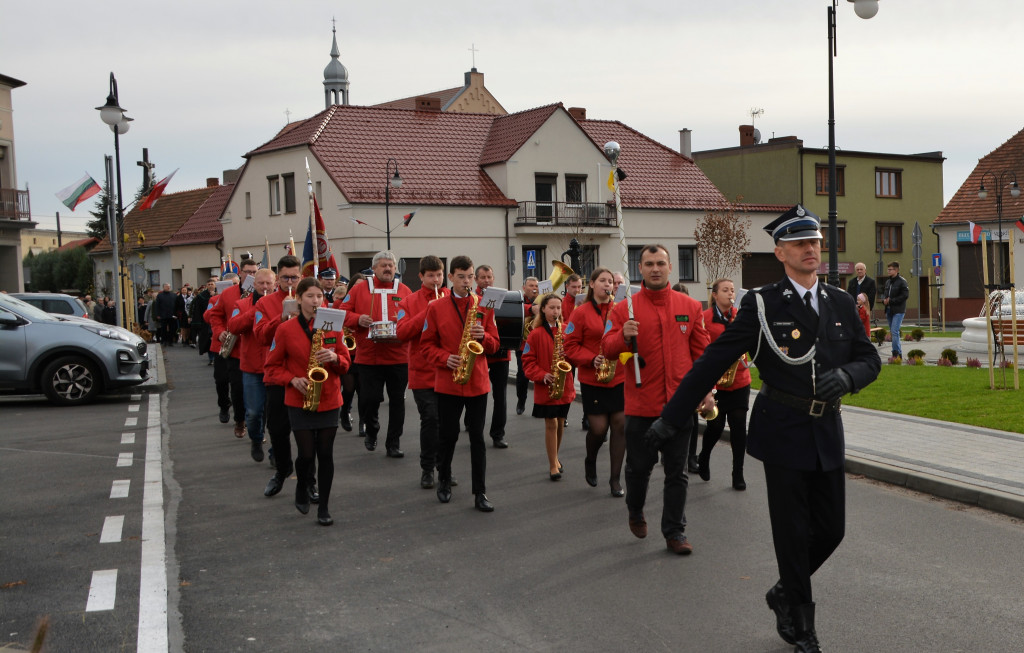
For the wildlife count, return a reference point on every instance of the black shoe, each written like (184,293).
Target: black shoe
(311,491)
(691,465)
(776,599)
(737,481)
(499,443)
(427,479)
(362,429)
(803,623)
(395,452)
(370,442)
(703,467)
(324,518)
(617,490)
(301,500)
(585,425)
(590,471)
(520,409)
(257,451)
(444,491)
(346,420)
(482,504)
(270,457)
(224,416)
(274,485)
(557,476)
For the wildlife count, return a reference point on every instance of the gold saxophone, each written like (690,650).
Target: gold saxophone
(469,349)
(606,371)
(559,366)
(315,374)
(348,338)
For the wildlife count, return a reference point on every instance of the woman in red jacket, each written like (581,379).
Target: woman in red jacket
(603,401)
(537,364)
(287,364)
(733,399)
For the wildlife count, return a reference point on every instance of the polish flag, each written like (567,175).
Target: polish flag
(975,230)
(157,191)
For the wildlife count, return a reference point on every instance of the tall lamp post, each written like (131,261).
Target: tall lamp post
(389,182)
(999,183)
(865,9)
(113,115)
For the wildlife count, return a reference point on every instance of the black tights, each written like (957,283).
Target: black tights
(616,442)
(319,442)
(348,391)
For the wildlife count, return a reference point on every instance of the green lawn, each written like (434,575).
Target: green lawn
(954,394)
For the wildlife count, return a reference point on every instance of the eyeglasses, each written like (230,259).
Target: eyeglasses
(290,277)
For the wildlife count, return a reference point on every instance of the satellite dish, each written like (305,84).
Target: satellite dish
(757,136)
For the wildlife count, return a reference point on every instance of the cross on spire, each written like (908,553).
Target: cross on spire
(288,114)
(473,49)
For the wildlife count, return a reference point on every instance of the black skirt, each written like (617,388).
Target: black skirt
(603,399)
(304,420)
(551,410)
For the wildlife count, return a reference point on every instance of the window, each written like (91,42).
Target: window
(841,228)
(575,189)
(588,261)
(687,263)
(888,183)
(248,206)
(635,251)
(821,180)
(544,187)
(534,254)
(889,236)
(154,278)
(274,188)
(289,192)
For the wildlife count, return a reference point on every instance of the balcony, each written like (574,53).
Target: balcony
(565,214)
(14,204)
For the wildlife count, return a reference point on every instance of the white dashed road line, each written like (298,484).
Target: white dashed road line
(119,489)
(127,438)
(102,590)
(124,459)
(112,527)
(131,421)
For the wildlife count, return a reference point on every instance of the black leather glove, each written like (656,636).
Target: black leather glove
(661,432)
(833,384)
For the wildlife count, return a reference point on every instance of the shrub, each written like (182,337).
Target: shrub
(1007,365)
(914,360)
(907,338)
(880,335)
(950,355)
(973,362)
(895,360)
(944,362)
(915,353)
(917,334)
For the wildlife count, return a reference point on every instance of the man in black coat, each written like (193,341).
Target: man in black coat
(810,350)
(862,283)
(895,299)
(163,310)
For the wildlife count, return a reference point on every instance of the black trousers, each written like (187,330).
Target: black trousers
(222,382)
(280,429)
(640,460)
(522,383)
(808,517)
(450,410)
(498,373)
(372,381)
(732,407)
(227,376)
(426,403)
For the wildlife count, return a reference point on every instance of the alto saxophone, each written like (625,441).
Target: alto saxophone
(729,377)
(315,374)
(559,366)
(469,349)
(606,370)
(231,339)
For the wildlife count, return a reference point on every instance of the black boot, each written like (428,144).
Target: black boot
(803,622)
(704,466)
(776,599)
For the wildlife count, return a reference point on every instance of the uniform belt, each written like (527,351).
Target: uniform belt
(811,406)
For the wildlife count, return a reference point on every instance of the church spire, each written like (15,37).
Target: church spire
(335,75)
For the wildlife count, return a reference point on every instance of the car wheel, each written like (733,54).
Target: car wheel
(70,380)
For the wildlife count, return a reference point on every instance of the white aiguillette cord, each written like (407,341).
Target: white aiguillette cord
(383,292)
(786,358)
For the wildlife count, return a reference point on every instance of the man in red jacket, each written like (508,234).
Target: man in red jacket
(668,328)
(218,319)
(442,343)
(497,370)
(412,312)
(380,361)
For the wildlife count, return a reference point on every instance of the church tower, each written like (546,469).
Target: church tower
(335,76)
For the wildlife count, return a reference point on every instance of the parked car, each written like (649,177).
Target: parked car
(54,302)
(69,359)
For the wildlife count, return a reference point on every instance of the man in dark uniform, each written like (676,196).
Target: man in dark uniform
(810,350)
(328,279)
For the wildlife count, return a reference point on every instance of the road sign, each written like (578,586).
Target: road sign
(936,261)
(938,270)
(916,236)
(531,259)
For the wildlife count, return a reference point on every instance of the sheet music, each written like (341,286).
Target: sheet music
(223,285)
(329,319)
(249,284)
(620,294)
(493,298)
(545,286)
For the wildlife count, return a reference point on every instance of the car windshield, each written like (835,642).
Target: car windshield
(25,309)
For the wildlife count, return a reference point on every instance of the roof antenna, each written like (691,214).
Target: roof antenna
(754,113)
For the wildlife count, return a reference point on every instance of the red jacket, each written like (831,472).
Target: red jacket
(442,335)
(220,314)
(358,302)
(716,326)
(410,328)
(537,354)
(289,357)
(503,355)
(253,353)
(583,336)
(568,306)
(672,336)
(865,319)
(214,343)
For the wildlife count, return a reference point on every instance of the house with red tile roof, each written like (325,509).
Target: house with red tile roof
(961,273)
(471,97)
(512,191)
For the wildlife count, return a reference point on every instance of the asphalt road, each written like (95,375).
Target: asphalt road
(553,568)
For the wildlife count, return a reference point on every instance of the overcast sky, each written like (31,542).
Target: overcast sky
(208,81)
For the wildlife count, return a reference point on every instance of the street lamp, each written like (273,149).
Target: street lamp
(389,182)
(865,9)
(1000,182)
(112,115)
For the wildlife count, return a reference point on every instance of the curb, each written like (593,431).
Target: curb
(157,380)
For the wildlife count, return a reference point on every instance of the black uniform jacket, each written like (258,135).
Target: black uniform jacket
(780,434)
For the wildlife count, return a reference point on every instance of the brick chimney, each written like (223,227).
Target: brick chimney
(578,113)
(746,135)
(212,182)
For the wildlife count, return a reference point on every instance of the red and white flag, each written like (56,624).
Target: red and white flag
(975,230)
(157,191)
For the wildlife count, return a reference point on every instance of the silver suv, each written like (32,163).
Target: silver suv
(70,360)
(54,302)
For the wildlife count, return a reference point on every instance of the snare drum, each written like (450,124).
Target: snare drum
(383,331)
(509,319)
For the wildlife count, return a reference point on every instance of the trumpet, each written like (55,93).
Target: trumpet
(709,415)
(348,338)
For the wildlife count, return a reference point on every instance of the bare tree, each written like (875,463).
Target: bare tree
(722,242)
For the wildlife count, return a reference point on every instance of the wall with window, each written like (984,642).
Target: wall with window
(765,174)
